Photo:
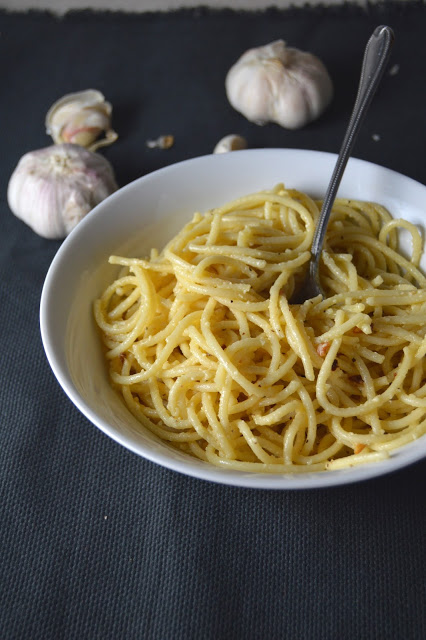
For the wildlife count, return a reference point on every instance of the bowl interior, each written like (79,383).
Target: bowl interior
(145,214)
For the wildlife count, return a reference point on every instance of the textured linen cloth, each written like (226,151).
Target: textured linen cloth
(95,541)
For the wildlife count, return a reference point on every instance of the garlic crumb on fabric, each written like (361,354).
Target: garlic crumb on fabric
(232,142)
(82,118)
(276,83)
(53,188)
(162,142)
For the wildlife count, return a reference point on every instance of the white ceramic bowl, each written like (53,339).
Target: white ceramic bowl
(146,213)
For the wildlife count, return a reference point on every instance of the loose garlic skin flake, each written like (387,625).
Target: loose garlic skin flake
(277,84)
(82,118)
(52,189)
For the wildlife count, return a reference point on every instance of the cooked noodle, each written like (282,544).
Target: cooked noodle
(209,355)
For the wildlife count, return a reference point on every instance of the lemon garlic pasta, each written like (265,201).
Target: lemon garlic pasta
(209,354)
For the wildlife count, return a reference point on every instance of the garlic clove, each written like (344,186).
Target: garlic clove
(82,118)
(232,142)
(53,188)
(275,83)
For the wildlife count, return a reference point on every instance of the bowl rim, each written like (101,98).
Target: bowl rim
(192,468)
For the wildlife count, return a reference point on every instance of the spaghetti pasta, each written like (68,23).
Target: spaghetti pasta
(210,355)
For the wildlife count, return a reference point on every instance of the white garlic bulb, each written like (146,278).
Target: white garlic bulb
(232,142)
(277,84)
(53,188)
(82,118)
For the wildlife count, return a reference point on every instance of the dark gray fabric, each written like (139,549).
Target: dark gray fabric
(98,543)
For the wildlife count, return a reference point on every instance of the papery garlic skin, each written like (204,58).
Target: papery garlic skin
(82,118)
(162,142)
(277,84)
(53,188)
(232,142)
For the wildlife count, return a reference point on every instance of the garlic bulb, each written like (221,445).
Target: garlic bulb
(81,118)
(52,189)
(279,84)
(233,142)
